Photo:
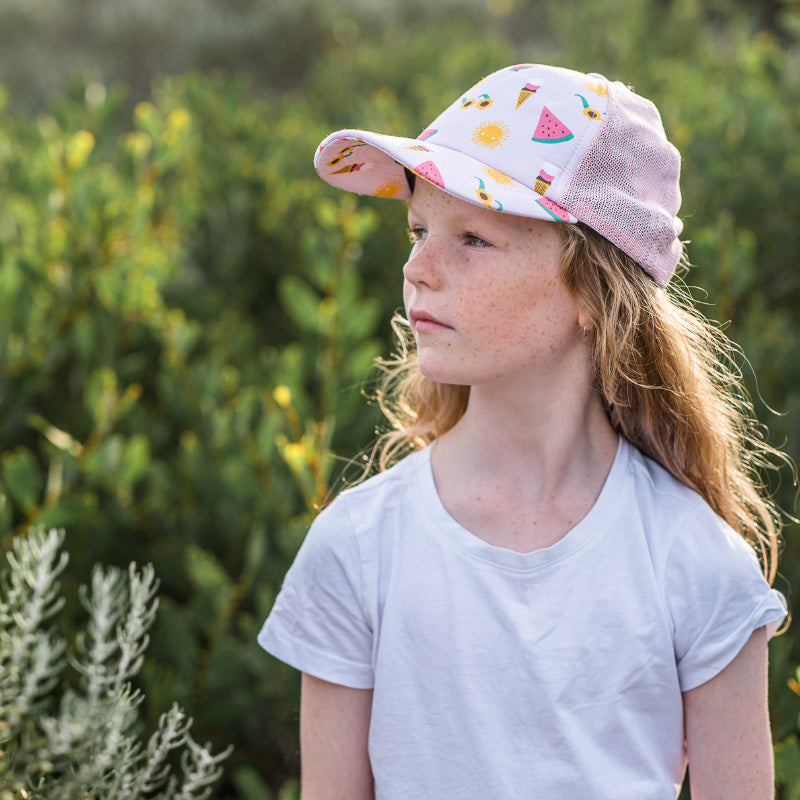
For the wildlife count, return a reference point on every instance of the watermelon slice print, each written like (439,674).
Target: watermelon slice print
(426,134)
(430,172)
(553,209)
(551,130)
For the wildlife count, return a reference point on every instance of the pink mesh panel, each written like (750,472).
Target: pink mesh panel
(626,185)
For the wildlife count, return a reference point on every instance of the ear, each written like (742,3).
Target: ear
(585,320)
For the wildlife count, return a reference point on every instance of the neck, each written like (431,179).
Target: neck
(535,437)
(521,477)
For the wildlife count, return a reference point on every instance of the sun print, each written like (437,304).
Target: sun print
(491,134)
(499,177)
(390,189)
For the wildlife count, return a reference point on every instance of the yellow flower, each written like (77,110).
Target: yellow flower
(78,149)
(283,396)
(484,197)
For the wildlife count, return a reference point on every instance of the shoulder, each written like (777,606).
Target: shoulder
(338,555)
(697,557)
(398,475)
(675,518)
(360,511)
(660,491)
(685,519)
(710,578)
(381,494)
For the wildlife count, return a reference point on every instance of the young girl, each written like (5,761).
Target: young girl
(556,595)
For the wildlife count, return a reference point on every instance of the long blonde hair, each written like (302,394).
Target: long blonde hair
(668,378)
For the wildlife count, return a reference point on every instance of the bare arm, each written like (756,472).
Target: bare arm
(334,727)
(728,737)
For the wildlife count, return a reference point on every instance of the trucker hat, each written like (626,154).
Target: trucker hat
(542,142)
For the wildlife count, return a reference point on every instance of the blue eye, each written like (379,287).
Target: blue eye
(416,234)
(473,240)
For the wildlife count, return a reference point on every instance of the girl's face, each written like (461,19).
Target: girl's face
(483,294)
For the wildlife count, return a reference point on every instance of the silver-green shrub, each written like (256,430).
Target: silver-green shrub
(65,739)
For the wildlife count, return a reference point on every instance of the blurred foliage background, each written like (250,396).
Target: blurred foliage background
(188,315)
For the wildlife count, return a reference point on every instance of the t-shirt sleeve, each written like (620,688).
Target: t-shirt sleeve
(716,595)
(318,624)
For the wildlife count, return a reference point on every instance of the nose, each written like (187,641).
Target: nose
(423,267)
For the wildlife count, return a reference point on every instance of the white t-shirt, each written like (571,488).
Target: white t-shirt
(555,674)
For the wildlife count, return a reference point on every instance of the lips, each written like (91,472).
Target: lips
(425,322)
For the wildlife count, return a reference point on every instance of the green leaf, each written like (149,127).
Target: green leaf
(209,578)
(6,514)
(360,319)
(787,767)
(68,511)
(255,551)
(101,396)
(360,361)
(299,301)
(289,791)
(22,478)
(103,462)
(250,785)
(135,459)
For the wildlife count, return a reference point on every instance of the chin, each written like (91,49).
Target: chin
(440,373)
(444,371)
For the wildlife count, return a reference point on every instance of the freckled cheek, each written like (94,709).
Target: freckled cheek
(504,319)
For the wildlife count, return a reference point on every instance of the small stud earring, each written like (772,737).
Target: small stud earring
(584,331)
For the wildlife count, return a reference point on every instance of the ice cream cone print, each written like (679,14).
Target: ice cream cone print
(525,92)
(542,183)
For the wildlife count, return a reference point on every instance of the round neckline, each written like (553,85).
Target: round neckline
(578,536)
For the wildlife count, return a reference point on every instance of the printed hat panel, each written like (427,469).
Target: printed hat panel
(504,144)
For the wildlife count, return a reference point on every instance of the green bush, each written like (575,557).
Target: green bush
(166,377)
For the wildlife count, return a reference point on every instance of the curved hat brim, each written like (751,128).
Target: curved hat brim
(373,164)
